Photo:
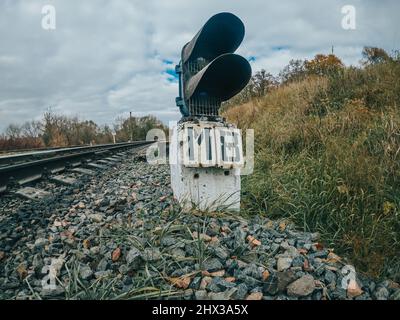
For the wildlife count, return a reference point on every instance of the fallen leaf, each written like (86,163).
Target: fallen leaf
(392,285)
(180,282)
(116,255)
(319,246)
(333,258)
(214,240)
(265,275)
(22,272)
(253,241)
(203,236)
(255,296)
(220,273)
(269,225)
(226,229)
(205,282)
(331,268)
(282,226)
(86,243)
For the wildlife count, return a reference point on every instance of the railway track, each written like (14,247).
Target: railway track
(21,169)
(19,151)
(122,235)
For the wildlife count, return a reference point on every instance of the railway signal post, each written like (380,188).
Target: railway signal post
(206,152)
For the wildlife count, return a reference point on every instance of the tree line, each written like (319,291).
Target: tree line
(56,130)
(262,82)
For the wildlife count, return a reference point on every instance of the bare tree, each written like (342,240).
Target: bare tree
(59,130)
(31,129)
(294,71)
(262,83)
(374,55)
(13,132)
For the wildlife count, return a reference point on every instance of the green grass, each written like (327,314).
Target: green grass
(328,158)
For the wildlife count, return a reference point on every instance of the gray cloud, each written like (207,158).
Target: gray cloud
(107,58)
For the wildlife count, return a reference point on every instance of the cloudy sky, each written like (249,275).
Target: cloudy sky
(106,58)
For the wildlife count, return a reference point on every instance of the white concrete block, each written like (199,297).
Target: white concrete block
(205,173)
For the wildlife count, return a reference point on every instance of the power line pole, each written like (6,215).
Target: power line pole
(130,125)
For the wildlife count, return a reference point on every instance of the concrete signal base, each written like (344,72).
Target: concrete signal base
(198,184)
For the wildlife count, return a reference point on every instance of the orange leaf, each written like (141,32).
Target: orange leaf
(22,272)
(265,275)
(282,226)
(116,255)
(319,246)
(253,241)
(180,282)
(220,273)
(86,243)
(333,258)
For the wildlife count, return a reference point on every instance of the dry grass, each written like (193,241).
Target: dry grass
(328,157)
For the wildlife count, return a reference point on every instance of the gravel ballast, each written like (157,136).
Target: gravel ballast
(121,235)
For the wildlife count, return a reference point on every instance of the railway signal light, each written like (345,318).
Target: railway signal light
(206,152)
(209,71)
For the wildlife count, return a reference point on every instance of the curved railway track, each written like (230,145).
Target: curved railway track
(24,168)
